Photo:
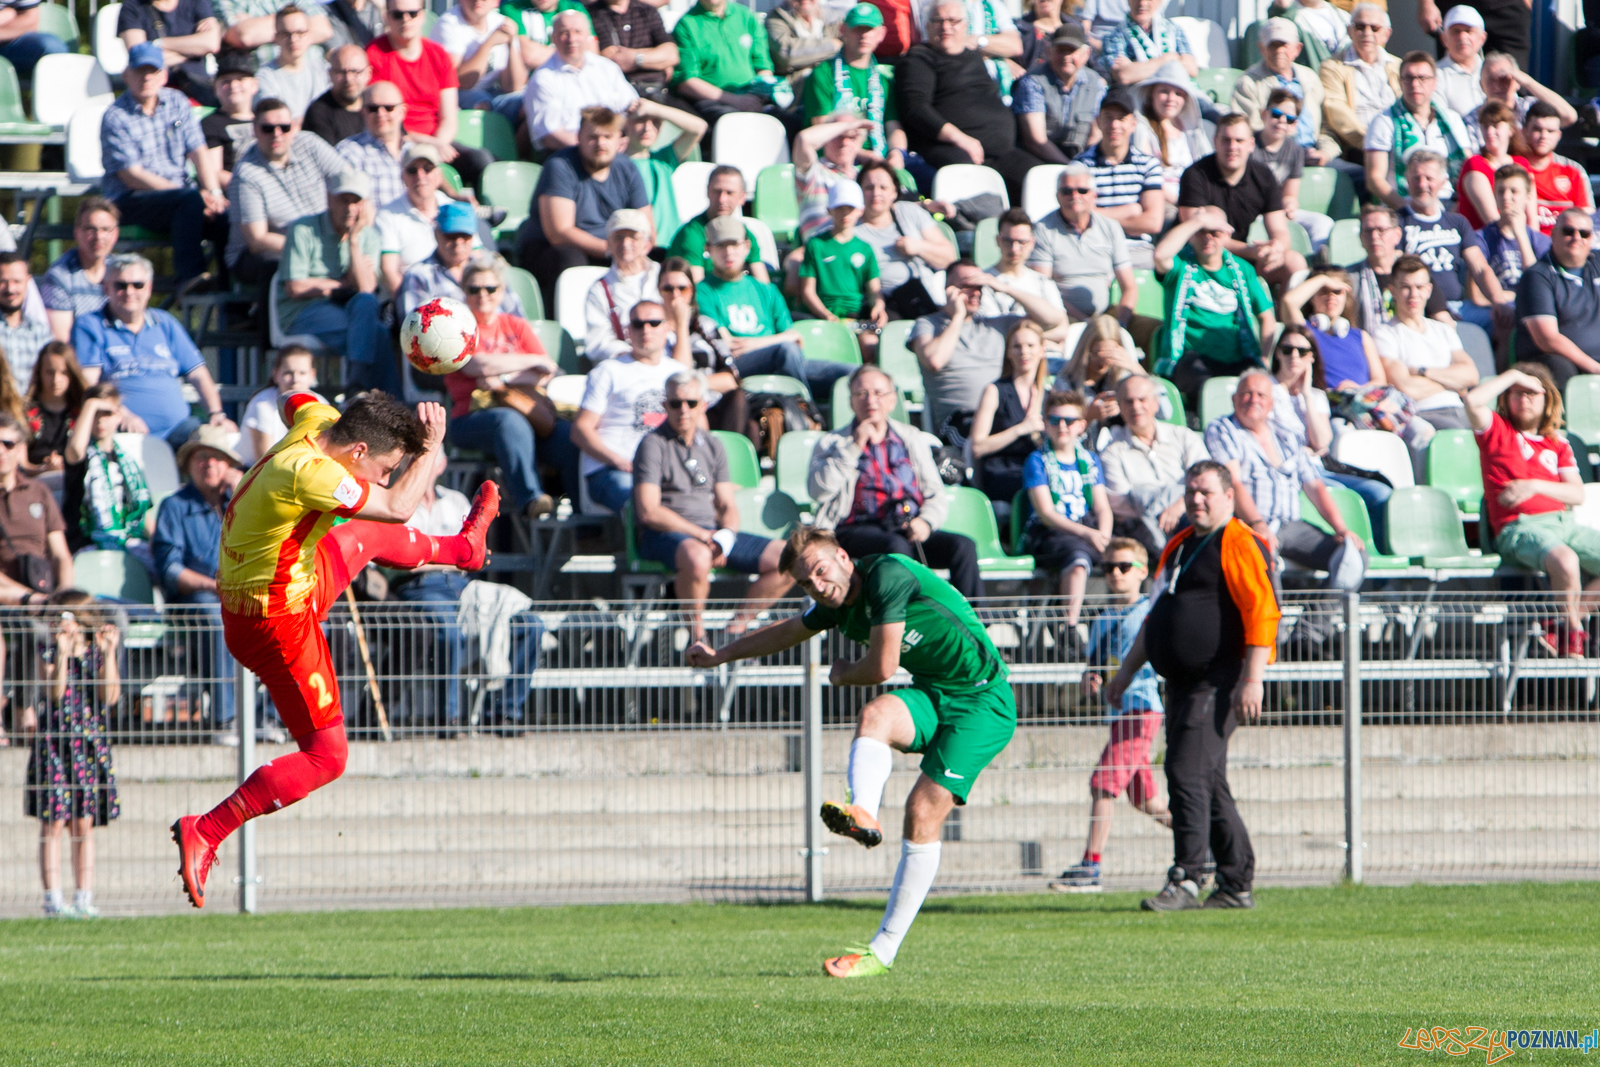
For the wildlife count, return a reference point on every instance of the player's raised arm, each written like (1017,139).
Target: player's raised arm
(398,502)
(880,662)
(763,642)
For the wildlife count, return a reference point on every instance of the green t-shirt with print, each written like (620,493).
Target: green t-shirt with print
(745,307)
(1211,326)
(842,271)
(531,22)
(690,243)
(820,96)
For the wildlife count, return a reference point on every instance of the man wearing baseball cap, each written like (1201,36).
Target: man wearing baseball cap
(455,236)
(632,278)
(329,281)
(148,137)
(852,82)
(1505,24)
(1056,103)
(1461,72)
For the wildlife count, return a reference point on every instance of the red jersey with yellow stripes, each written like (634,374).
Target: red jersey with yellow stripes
(283,507)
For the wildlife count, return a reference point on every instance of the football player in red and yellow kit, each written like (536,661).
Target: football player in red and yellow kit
(284,563)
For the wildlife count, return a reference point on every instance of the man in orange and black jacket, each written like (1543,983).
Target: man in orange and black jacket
(1211,631)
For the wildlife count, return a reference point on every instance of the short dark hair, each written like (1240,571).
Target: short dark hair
(1419,57)
(270,103)
(724,171)
(105,389)
(8,258)
(1016,217)
(289,350)
(1234,119)
(1540,110)
(1279,96)
(381,422)
(1209,466)
(89,205)
(1409,265)
(804,537)
(601,118)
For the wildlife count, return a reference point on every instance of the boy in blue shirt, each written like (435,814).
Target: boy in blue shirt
(1125,761)
(1071,523)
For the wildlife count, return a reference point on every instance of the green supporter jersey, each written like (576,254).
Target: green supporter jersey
(531,22)
(944,646)
(745,308)
(656,170)
(690,243)
(842,272)
(1211,327)
(726,51)
(820,96)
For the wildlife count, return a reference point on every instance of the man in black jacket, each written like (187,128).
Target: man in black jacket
(951,108)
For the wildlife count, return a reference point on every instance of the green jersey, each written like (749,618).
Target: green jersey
(944,646)
(725,50)
(745,308)
(656,170)
(531,22)
(842,271)
(690,243)
(868,92)
(1211,326)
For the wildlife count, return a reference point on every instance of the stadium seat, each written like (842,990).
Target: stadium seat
(1354,512)
(689,183)
(509,184)
(526,287)
(1039,190)
(898,361)
(275,334)
(766,243)
(1208,40)
(1179,416)
(775,383)
(1376,450)
(566,391)
(113,573)
(451,178)
(792,466)
(949,234)
(767,512)
(1152,299)
(14,121)
(572,289)
(559,344)
(744,469)
(488,130)
(840,413)
(72,80)
(1344,244)
(1478,346)
(1453,466)
(161,475)
(1216,399)
(986,243)
(1582,402)
(1218,82)
(831,341)
(630,542)
(59,21)
(776,202)
(1299,240)
(750,141)
(1328,192)
(1588,512)
(958,181)
(108,47)
(973,515)
(1425,526)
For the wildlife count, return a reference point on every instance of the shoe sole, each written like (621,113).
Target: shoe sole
(1151,905)
(189,887)
(1068,887)
(841,822)
(1227,905)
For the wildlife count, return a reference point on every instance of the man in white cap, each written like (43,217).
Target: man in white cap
(1460,73)
(1505,24)
(1278,69)
(329,283)
(632,278)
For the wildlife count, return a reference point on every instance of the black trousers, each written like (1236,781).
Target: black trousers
(546,261)
(1199,724)
(470,163)
(1508,24)
(1013,164)
(949,551)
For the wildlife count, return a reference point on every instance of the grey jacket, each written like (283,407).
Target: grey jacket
(793,53)
(832,482)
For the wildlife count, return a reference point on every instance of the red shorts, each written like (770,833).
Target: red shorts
(289,653)
(1125,761)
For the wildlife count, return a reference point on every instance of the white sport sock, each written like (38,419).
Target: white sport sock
(912,880)
(83,898)
(52,899)
(870,763)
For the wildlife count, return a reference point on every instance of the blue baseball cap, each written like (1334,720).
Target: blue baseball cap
(456,217)
(147,54)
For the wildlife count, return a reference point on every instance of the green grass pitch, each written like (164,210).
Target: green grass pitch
(1313,976)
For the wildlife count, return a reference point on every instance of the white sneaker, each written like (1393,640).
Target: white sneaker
(273,735)
(226,738)
(82,911)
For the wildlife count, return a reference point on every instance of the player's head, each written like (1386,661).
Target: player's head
(374,436)
(1207,495)
(815,559)
(1124,562)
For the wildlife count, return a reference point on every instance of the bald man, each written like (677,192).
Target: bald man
(336,114)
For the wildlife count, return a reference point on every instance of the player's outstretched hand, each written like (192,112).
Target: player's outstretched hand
(433,425)
(700,654)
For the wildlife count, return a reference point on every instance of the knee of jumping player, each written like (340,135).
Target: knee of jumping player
(886,719)
(328,752)
(926,810)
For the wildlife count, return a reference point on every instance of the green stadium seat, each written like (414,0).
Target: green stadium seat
(1218,82)
(510,185)
(59,20)
(1425,526)
(840,414)
(831,341)
(1179,417)
(776,203)
(1216,399)
(973,515)
(793,464)
(487,130)
(1021,511)
(1328,192)
(112,573)
(558,343)
(1354,511)
(1151,301)
(14,121)
(744,468)
(775,383)
(1453,466)
(1299,240)
(986,243)
(452,177)
(767,513)
(630,540)
(898,361)
(949,234)
(1582,402)
(527,289)
(1344,244)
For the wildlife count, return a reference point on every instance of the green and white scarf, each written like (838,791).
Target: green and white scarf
(111,518)
(1408,134)
(1189,277)
(1058,481)
(1144,46)
(871,109)
(999,70)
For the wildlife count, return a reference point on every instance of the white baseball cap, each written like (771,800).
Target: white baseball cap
(845,193)
(1462,15)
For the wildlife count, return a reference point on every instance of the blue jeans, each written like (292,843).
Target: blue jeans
(359,335)
(25,52)
(441,591)
(790,360)
(178,213)
(507,105)
(1376,496)
(508,436)
(610,488)
(1467,311)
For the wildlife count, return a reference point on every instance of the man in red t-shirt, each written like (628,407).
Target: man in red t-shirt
(1558,182)
(426,77)
(1530,485)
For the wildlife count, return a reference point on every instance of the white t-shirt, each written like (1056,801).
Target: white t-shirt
(1028,280)
(1289,411)
(297,88)
(453,33)
(1428,350)
(445,518)
(403,231)
(1180,156)
(600,337)
(1381,138)
(630,399)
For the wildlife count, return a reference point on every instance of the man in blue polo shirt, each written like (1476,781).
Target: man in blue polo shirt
(146,352)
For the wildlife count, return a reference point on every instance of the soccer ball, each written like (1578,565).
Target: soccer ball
(440,336)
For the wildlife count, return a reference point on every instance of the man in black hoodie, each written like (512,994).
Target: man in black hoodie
(950,106)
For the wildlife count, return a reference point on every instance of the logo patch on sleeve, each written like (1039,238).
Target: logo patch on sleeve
(347,492)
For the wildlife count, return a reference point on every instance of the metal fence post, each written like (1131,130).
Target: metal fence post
(1352,736)
(811,763)
(245,718)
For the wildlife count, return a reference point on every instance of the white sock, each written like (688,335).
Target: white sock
(870,764)
(912,880)
(83,898)
(52,899)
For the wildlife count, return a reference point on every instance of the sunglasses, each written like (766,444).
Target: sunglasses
(1073,190)
(1121,566)
(400,13)
(674,288)
(1286,116)
(1568,231)
(1369,27)
(121,286)
(639,324)
(274,127)
(1063,420)
(692,465)
(420,168)
(373,109)
(1298,351)
(9,442)
(479,290)
(680,405)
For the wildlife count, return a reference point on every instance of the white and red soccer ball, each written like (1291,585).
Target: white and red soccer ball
(440,336)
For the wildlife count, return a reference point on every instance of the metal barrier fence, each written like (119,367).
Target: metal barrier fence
(571,756)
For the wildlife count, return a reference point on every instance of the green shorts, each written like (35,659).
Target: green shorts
(1529,540)
(958,734)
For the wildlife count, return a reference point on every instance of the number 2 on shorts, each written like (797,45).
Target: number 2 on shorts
(317,682)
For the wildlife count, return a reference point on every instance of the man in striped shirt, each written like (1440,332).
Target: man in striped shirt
(282,179)
(1127,183)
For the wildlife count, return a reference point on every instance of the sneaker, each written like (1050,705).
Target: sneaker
(541,505)
(851,820)
(859,962)
(226,738)
(195,858)
(62,911)
(1549,636)
(1230,898)
(1575,643)
(1079,878)
(485,508)
(81,911)
(1179,894)
(273,735)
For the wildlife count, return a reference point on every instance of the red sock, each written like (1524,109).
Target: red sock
(279,783)
(1091,857)
(388,544)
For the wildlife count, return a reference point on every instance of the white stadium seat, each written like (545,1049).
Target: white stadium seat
(71,80)
(766,244)
(276,335)
(1376,450)
(160,465)
(689,183)
(750,142)
(572,289)
(1039,190)
(1207,39)
(83,140)
(108,47)
(961,180)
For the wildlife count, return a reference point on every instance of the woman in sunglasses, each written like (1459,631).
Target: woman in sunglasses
(707,351)
(1010,416)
